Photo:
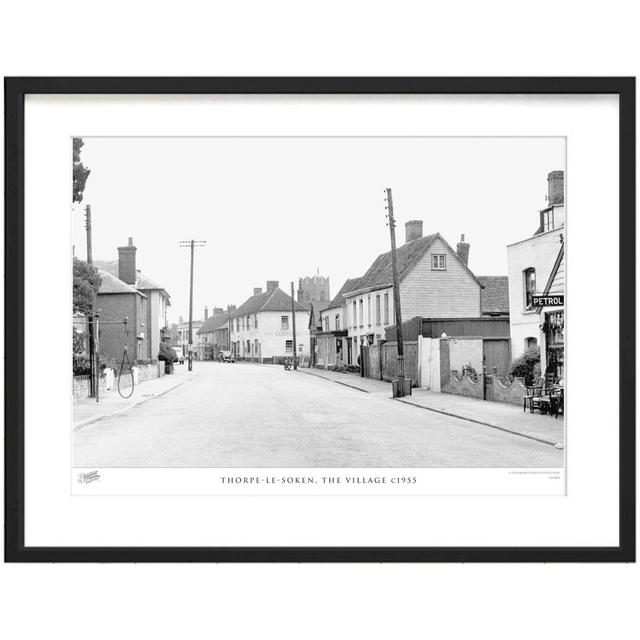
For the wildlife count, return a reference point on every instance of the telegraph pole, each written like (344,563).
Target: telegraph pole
(400,391)
(93,365)
(293,324)
(191,244)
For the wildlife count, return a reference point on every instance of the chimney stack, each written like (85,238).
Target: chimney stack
(463,251)
(272,284)
(217,311)
(127,263)
(206,313)
(555,181)
(257,290)
(413,230)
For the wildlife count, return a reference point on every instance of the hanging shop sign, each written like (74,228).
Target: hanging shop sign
(555,300)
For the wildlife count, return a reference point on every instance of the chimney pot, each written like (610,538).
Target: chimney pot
(413,230)
(555,184)
(127,263)
(462,250)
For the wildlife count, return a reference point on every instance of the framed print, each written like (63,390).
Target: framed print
(320,319)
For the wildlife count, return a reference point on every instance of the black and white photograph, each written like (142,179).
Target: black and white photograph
(319,302)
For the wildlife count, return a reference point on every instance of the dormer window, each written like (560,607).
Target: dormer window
(548,220)
(438,262)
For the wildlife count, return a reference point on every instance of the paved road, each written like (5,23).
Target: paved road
(247,415)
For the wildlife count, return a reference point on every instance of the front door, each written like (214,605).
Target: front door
(349,351)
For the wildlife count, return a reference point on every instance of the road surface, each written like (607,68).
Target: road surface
(249,415)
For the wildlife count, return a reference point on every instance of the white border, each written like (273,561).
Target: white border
(587,516)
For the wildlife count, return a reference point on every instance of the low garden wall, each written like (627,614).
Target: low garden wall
(505,391)
(108,379)
(497,390)
(463,385)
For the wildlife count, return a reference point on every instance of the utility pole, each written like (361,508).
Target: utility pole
(93,365)
(293,324)
(229,331)
(400,389)
(192,244)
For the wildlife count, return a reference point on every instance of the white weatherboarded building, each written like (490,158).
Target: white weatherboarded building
(262,327)
(434,280)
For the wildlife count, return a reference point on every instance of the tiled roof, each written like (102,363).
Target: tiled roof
(111,284)
(315,309)
(274,300)
(351,284)
(495,295)
(214,322)
(142,282)
(381,272)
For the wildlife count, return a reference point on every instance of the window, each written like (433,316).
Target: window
(237,324)
(438,262)
(284,323)
(530,342)
(361,312)
(386,308)
(326,323)
(255,321)
(256,347)
(378,309)
(529,287)
(547,220)
(354,319)
(337,322)
(369,310)
(248,346)
(288,346)
(248,322)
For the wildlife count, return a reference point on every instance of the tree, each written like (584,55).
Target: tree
(86,284)
(80,172)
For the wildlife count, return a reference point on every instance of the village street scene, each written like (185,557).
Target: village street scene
(244,355)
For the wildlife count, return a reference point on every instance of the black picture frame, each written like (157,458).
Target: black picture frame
(15,91)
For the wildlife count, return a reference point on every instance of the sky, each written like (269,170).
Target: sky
(284,208)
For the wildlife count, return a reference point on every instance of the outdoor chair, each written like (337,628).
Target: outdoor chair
(557,401)
(533,395)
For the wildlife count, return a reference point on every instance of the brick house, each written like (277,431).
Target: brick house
(125,292)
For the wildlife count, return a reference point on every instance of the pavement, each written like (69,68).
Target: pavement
(499,415)
(110,403)
(251,415)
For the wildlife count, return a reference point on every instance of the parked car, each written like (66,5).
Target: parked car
(226,356)
(179,354)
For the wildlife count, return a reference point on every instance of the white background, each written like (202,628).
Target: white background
(587,516)
(490,38)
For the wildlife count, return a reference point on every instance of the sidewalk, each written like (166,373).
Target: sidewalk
(353,380)
(88,410)
(498,415)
